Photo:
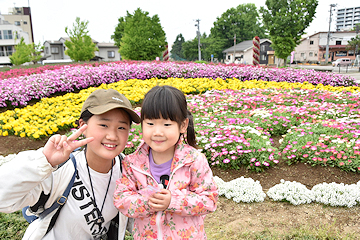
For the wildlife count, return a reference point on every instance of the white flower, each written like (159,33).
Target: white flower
(293,192)
(241,190)
(335,194)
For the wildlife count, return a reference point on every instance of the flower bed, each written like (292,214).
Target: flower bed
(18,91)
(331,194)
(234,126)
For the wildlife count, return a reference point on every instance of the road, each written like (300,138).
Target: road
(351,71)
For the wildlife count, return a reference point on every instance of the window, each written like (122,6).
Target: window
(25,22)
(111,54)
(315,54)
(8,34)
(262,57)
(338,43)
(54,50)
(311,42)
(0,35)
(46,50)
(351,52)
(2,52)
(228,57)
(9,50)
(262,48)
(302,55)
(311,54)
(17,23)
(341,53)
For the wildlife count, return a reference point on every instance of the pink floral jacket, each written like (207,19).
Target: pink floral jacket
(193,195)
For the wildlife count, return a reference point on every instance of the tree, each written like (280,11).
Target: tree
(140,36)
(177,51)
(244,21)
(190,49)
(286,21)
(22,54)
(36,52)
(80,47)
(354,44)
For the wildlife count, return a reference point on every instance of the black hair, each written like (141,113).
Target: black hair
(85,116)
(169,103)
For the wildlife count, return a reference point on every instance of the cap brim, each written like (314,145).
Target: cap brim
(105,108)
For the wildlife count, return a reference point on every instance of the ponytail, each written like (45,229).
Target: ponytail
(190,133)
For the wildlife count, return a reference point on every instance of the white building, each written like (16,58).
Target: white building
(243,53)
(347,18)
(10,35)
(55,50)
(313,48)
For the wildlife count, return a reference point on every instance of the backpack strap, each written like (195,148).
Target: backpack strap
(62,199)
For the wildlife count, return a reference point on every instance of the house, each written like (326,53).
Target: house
(10,36)
(244,53)
(55,50)
(313,48)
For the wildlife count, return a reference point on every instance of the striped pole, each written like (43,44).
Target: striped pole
(166,54)
(256,50)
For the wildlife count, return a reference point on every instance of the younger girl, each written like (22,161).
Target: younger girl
(34,178)
(167,185)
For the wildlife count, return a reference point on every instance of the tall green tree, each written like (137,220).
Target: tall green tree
(80,47)
(23,53)
(140,36)
(286,21)
(244,21)
(190,49)
(177,51)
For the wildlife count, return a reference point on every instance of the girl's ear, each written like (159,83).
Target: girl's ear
(184,126)
(81,122)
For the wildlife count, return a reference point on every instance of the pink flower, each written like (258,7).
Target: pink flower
(226,160)
(305,155)
(257,164)
(276,161)
(252,160)
(341,164)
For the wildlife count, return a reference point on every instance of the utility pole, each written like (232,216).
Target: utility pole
(234,46)
(328,36)
(198,34)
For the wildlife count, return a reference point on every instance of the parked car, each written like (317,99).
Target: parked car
(342,62)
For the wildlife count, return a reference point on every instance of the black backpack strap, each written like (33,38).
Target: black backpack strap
(120,160)
(63,198)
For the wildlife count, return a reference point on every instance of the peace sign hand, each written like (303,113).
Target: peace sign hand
(58,148)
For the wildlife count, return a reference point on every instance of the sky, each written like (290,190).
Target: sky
(50,19)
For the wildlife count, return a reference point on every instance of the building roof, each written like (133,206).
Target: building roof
(106,44)
(326,33)
(244,46)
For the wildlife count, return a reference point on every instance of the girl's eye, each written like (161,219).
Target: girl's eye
(167,124)
(103,125)
(150,124)
(121,128)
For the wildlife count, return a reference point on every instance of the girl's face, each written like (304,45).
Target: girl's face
(110,131)
(162,135)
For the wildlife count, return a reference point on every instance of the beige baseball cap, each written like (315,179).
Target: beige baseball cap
(102,100)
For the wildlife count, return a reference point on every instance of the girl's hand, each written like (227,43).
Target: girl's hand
(58,148)
(160,201)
